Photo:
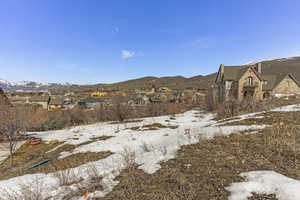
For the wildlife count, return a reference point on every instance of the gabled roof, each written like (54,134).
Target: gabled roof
(39,98)
(91,100)
(56,101)
(274,79)
(234,73)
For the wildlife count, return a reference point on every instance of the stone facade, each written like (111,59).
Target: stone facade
(250,85)
(286,86)
(240,82)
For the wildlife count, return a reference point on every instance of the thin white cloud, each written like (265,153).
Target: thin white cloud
(127,54)
(115,30)
(200,42)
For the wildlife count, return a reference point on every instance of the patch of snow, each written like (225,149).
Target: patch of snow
(278,95)
(241,118)
(274,59)
(289,108)
(4,82)
(162,144)
(265,182)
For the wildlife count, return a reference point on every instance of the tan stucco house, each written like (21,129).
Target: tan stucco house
(240,82)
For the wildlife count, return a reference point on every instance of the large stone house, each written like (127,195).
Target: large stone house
(240,82)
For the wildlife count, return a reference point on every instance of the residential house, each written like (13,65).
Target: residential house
(68,102)
(280,84)
(165,89)
(99,94)
(139,99)
(155,99)
(17,100)
(90,103)
(43,101)
(55,103)
(248,81)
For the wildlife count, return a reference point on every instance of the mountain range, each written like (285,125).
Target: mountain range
(282,65)
(30,86)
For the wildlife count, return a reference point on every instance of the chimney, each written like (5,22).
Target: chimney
(258,67)
(222,69)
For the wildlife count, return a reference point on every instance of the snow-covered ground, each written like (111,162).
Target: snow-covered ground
(290,108)
(162,145)
(265,182)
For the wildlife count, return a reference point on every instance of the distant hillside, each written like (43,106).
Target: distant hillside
(276,66)
(283,65)
(32,86)
(173,82)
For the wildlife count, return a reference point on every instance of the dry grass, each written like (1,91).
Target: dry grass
(263,197)
(29,155)
(127,121)
(270,118)
(277,102)
(204,170)
(146,147)
(79,187)
(151,127)
(28,152)
(101,138)
(67,177)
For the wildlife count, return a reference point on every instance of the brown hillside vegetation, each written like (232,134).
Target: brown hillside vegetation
(283,66)
(172,82)
(276,66)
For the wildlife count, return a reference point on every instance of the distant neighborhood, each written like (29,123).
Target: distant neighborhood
(90,100)
(260,81)
(170,118)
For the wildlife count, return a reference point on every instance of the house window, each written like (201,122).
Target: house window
(249,81)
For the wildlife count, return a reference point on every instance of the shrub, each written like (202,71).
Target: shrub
(233,107)
(27,191)
(67,177)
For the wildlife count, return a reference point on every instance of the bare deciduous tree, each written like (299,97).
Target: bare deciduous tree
(11,128)
(121,109)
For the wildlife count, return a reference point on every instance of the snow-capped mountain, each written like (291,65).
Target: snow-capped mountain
(30,85)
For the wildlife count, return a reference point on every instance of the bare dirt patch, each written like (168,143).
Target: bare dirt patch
(127,121)
(101,138)
(154,126)
(263,197)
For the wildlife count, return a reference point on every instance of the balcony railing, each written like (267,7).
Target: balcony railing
(249,85)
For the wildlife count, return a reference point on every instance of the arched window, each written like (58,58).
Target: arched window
(250,81)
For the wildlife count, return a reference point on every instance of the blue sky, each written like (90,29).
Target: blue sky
(98,41)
